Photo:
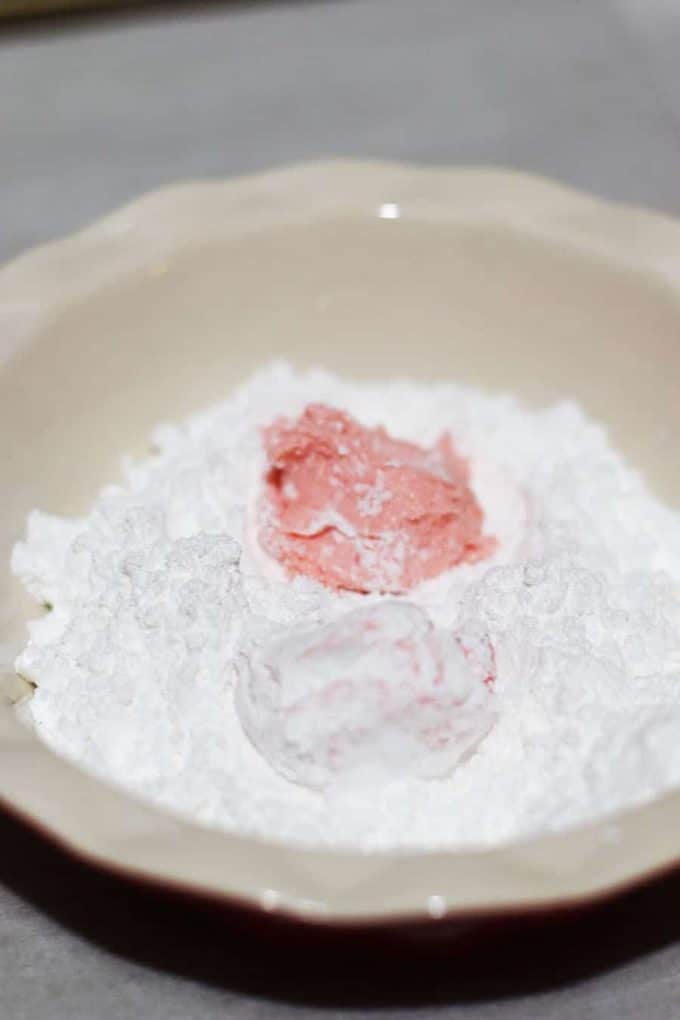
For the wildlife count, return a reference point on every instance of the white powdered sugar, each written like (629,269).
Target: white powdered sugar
(529,691)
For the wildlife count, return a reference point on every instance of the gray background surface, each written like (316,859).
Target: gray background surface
(95,110)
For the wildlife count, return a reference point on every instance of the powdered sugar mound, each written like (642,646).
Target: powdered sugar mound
(162,588)
(145,607)
(39,562)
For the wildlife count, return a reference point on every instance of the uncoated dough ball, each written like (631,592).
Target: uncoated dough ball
(355,508)
(377,694)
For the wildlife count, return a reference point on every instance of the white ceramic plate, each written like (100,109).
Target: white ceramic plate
(485,276)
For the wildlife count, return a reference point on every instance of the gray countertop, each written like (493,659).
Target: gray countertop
(95,110)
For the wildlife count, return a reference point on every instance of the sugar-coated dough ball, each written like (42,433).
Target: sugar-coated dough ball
(376,694)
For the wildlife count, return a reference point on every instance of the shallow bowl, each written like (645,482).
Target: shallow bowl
(484,276)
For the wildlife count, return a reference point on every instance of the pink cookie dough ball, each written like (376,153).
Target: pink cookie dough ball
(356,509)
